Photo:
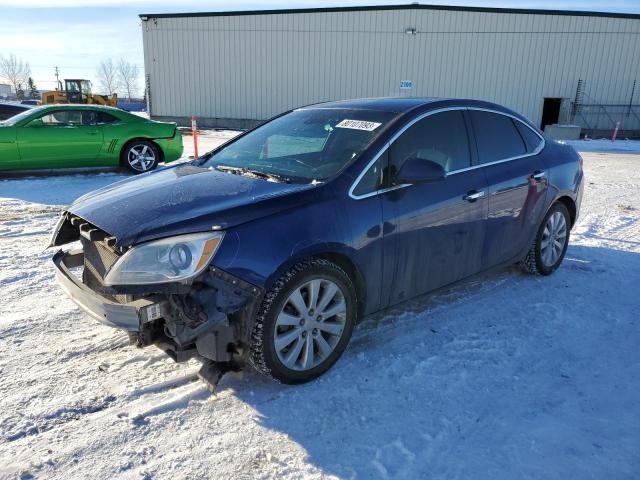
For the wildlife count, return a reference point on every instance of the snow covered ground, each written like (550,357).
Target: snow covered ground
(505,376)
(605,145)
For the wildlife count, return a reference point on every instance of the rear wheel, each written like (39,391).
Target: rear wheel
(550,244)
(140,156)
(304,323)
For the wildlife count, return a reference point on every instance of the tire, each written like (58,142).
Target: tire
(140,156)
(538,260)
(268,357)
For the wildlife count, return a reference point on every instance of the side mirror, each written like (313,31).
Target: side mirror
(417,170)
(37,122)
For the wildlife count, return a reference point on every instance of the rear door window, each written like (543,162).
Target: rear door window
(90,117)
(531,139)
(496,136)
(102,118)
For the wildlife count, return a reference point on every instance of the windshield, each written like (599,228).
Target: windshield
(20,116)
(306,145)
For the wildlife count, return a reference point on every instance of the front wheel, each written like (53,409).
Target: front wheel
(550,244)
(304,323)
(140,156)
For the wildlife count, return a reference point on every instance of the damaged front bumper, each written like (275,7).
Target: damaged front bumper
(209,319)
(126,316)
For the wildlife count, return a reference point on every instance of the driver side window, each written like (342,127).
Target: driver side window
(62,117)
(441,138)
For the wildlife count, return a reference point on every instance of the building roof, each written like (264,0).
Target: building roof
(415,6)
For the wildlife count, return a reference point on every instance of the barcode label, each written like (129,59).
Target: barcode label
(153,312)
(358,125)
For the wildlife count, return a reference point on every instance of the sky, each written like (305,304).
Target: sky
(76,35)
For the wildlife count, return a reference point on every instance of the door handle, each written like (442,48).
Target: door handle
(473,195)
(93,133)
(538,176)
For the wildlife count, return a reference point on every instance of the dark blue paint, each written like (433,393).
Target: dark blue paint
(402,243)
(183,199)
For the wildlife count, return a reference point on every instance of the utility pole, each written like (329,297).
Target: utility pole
(57,76)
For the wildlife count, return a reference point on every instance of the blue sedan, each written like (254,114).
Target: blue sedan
(269,249)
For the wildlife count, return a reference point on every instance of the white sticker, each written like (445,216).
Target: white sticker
(358,125)
(153,312)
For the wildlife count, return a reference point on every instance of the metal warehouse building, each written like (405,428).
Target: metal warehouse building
(235,69)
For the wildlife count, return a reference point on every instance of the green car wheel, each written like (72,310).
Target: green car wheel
(140,156)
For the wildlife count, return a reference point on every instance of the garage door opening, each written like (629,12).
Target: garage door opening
(550,112)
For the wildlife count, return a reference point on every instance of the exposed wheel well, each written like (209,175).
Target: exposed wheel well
(126,144)
(571,206)
(350,269)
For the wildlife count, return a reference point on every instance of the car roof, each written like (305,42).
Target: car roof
(384,104)
(404,105)
(16,105)
(75,106)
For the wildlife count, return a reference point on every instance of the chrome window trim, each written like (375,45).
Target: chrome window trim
(384,148)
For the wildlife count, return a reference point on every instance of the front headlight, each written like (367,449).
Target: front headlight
(168,260)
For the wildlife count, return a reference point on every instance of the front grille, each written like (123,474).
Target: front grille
(98,257)
(100,254)
(98,260)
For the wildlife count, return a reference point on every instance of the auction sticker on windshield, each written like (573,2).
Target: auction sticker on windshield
(358,125)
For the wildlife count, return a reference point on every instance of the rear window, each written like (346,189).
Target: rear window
(496,136)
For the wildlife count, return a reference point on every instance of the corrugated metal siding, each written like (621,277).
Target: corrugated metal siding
(255,66)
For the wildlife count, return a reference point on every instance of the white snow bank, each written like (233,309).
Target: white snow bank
(605,145)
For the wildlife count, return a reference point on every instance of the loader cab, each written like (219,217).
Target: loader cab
(77,90)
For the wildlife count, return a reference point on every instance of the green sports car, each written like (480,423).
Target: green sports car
(62,136)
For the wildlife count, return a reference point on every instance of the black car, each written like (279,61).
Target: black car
(8,110)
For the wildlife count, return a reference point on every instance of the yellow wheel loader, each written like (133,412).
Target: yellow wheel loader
(77,91)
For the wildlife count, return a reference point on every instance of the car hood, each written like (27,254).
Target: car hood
(182,199)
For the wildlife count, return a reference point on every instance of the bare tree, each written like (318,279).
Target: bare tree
(14,71)
(128,74)
(108,76)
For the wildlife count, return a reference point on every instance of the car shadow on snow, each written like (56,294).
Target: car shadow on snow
(501,373)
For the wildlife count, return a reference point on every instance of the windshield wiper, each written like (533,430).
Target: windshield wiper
(255,173)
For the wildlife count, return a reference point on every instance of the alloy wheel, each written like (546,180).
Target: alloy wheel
(554,238)
(310,324)
(141,157)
